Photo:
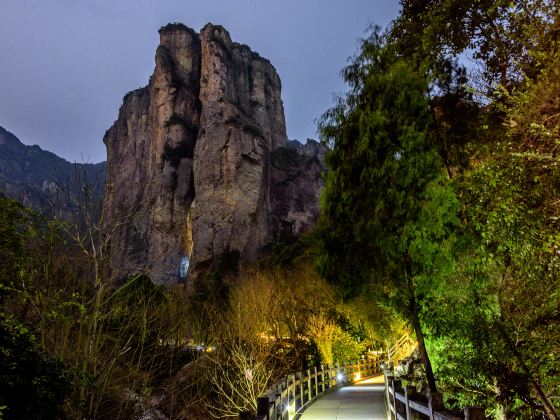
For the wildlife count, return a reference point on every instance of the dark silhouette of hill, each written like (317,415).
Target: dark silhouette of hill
(44,181)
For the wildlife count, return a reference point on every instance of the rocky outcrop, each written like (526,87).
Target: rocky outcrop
(198,161)
(150,150)
(296,184)
(242,120)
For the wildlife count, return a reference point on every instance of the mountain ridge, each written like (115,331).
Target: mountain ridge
(41,179)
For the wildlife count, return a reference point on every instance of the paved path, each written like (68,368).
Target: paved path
(362,401)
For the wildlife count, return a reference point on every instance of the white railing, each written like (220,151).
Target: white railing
(291,395)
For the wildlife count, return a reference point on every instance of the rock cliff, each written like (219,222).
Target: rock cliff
(198,162)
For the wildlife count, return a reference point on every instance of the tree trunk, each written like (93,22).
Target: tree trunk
(548,407)
(415,320)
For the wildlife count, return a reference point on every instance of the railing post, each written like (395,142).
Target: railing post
(316,383)
(263,408)
(337,368)
(309,390)
(387,375)
(322,378)
(394,396)
(285,401)
(278,407)
(363,367)
(292,398)
(285,395)
(407,406)
(300,380)
(435,402)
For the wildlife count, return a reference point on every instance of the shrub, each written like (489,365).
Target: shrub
(32,384)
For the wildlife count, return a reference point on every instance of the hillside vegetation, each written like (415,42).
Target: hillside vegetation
(442,195)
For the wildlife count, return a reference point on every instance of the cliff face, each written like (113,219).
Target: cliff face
(150,149)
(242,120)
(296,185)
(190,169)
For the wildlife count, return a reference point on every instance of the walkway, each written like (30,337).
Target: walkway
(362,401)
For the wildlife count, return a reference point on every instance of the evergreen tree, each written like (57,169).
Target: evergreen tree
(386,207)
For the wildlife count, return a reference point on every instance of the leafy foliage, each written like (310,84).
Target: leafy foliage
(33,385)
(507,280)
(480,246)
(386,208)
(500,36)
(56,313)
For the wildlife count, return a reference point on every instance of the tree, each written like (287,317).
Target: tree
(499,37)
(274,321)
(475,53)
(245,359)
(387,210)
(493,327)
(52,289)
(14,228)
(334,344)
(323,333)
(500,345)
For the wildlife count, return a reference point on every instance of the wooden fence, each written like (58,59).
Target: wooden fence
(291,395)
(403,404)
(398,346)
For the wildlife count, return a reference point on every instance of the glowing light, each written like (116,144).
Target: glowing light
(290,409)
(357,376)
(183,267)
(339,377)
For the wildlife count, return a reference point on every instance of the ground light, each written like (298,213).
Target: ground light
(291,410)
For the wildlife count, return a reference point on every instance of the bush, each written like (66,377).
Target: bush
(32,384)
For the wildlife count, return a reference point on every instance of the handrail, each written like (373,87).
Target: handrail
(402,405)
(292,394)
(395,347)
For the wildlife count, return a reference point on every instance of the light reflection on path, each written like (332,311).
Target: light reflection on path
(361,401)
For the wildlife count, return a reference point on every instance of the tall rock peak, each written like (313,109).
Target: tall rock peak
(190,169)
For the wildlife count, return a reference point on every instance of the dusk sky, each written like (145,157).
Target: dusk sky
(66,64)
